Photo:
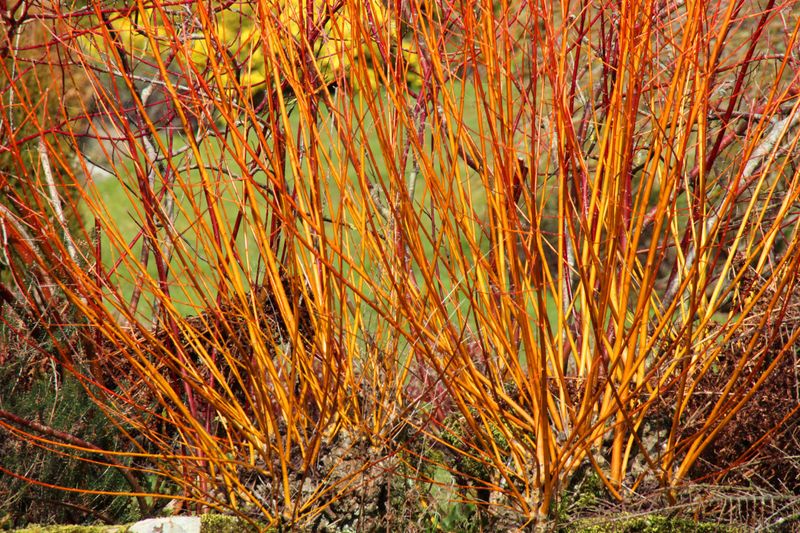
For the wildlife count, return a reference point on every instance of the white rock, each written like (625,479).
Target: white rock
(171,524)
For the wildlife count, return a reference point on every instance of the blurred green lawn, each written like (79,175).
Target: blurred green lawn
(194,283)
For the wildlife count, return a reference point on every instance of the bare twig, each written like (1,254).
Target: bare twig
(55,200)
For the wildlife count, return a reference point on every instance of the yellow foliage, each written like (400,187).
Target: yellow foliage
(245,37)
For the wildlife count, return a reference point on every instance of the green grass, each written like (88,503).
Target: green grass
(119,198)
(195,280)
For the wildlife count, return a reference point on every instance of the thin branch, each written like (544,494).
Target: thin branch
(55,201)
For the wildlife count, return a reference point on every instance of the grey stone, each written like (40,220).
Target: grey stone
(172,524)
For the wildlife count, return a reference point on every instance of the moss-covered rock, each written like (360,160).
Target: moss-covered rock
(209,523)
(650,524)
(73,529)
(218,523)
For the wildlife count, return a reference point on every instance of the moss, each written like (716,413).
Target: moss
(585,490)
(457,436)
(651,524)
(455,518)
(218,523)
(72,529)
(209,523)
